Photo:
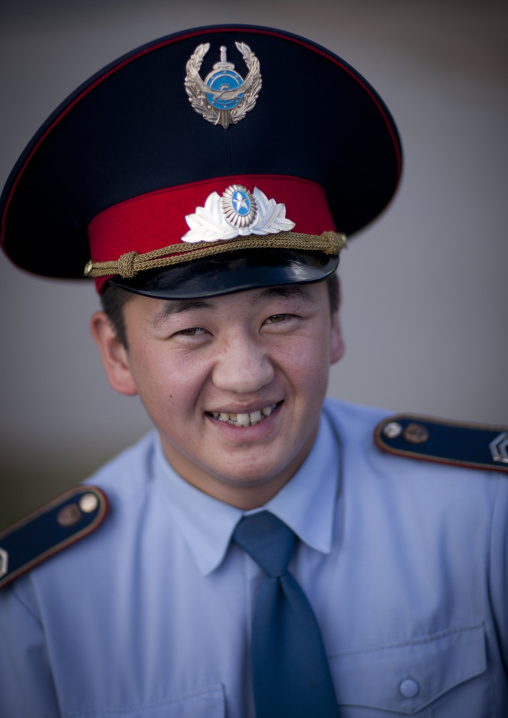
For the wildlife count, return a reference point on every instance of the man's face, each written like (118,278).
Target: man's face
(234,384)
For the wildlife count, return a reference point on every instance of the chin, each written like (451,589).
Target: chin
(250,476)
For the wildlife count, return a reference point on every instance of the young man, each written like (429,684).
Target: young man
(266,552)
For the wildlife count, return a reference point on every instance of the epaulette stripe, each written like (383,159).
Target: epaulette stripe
(440,441)
(47,531)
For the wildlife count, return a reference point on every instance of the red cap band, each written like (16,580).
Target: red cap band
(157,219)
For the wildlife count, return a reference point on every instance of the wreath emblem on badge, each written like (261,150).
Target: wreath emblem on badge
(238,213)
(223,97)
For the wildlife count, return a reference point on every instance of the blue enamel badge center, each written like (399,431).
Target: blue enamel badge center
(223,79)
(239,206)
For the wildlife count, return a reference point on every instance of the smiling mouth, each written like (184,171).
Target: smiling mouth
(251,419)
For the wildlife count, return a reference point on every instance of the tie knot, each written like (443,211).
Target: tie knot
(267,540)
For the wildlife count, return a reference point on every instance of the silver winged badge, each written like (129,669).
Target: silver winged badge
(223,97)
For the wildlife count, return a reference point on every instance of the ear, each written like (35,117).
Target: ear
(114,355)
(337,346)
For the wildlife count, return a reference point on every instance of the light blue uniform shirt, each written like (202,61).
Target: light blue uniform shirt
(405,564)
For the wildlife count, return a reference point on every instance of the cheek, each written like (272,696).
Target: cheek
(306,366)
(166,381)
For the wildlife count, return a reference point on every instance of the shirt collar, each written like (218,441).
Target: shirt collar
(206,523)
(306,504)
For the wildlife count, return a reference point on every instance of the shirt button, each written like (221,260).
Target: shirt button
(409,688)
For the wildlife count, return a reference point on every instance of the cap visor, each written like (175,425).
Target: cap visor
(231,272)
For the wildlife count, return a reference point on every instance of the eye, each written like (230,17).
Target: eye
(191,332)
(278,318)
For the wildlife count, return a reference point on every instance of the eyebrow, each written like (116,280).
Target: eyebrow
(286,291)
(177,306)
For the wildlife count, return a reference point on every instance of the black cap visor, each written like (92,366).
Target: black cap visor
(231,272)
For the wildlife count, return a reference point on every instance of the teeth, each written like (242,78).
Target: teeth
(243,419)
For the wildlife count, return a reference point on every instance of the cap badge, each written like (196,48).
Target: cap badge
(224,97)
(237,213)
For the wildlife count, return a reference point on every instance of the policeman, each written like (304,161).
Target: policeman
(264,551)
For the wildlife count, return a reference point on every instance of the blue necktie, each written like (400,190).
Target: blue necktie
(290,672)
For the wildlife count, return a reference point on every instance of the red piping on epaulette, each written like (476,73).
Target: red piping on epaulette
(99,519)
(379,442)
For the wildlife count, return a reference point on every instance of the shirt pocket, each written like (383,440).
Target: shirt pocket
(207,702)
(442,675)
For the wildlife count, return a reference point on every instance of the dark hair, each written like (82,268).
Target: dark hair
(113,300)
(333,286)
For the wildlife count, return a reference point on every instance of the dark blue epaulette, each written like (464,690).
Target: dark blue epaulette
(67,519)
(444,442)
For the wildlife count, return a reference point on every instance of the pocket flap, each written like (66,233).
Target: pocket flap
(205,702)
(405,677)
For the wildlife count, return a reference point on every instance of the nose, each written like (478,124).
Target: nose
(242,366)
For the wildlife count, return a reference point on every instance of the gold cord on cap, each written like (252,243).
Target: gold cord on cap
(130,263)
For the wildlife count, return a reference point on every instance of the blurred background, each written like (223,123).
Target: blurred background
(425,287)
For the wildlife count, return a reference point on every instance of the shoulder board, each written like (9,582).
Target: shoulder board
(444,442)
(45,532)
